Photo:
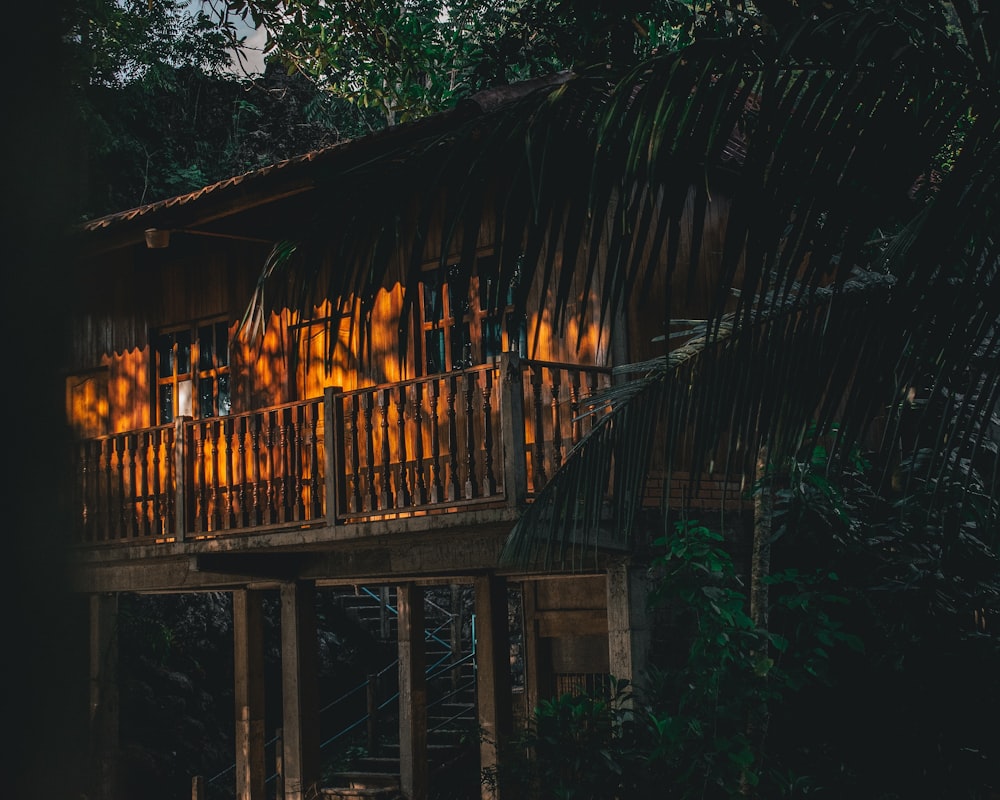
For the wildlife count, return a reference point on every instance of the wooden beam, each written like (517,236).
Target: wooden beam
(628,621)
(299,691)
(248,646)
(413,768)
(496,720)
(104,695)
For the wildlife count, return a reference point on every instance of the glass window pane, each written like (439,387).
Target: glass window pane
(433,310)
(166,404)
(206,397)
(461,347)
(517,334)
(459,302)
(225,403)
(183,352)
(165,356)
(206,347)
(434,351)
(492,339)
(222,344)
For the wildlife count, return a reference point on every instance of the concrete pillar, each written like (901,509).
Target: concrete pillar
(248,663)
(628,622)
(104,706)
(299,690)
(413,768)
(492,671)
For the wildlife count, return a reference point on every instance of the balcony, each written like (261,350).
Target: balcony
(483,440)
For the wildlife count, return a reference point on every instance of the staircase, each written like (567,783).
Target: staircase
(452,739)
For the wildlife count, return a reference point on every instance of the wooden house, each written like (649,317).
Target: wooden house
(307,449)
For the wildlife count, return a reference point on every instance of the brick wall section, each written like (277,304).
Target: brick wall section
(711,492)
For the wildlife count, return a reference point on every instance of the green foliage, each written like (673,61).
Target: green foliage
(875,678)
(161,112)
(408,59)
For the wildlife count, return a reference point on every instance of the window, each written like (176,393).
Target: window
(457,329)
(192,371)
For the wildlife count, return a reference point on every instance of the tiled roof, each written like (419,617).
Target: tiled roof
(213,188)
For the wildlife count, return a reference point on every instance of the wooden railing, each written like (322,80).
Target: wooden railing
(483,435)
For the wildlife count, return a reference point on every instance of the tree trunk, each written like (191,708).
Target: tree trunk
(760,568)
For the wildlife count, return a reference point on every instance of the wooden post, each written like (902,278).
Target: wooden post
(182,472)
(248,640)
(333,459)
(299,689)
(104,708)
(197,787)
(628,622)
(413,767)
(493,673)
(515,471)
(533,689)
(279,764)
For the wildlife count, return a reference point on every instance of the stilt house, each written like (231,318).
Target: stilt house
(357,437)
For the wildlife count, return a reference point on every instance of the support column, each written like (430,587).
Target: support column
(628,622)
(248,663)
(104,708)
(532,658)
(413,768)
(492,672)
(299,690)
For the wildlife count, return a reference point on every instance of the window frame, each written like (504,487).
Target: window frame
(198,373)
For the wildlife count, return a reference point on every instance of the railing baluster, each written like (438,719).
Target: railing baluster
(371,500)
(283,463)
(270,468)
(385,497)
(403,495)
(120,499)
(245,495)
(169,484)
(591,391)
(489,479)
(82,500)
(555,376)
(106,457)
(574,405)
(259,490)
(141,490)
(310,438)
(538,476)
(451,484)
(436,488)
(183,454)
(133,519)
(229,521)
(157,528)
(419,486)
(471,484)
(354,502)
(200,480)
(298,462)
(92,521)
(215,517)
